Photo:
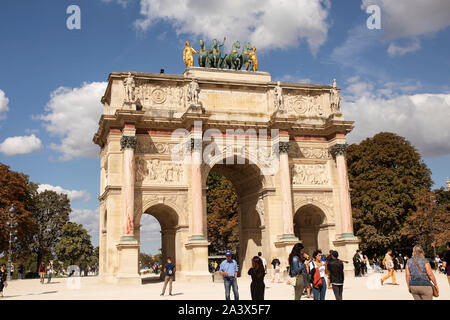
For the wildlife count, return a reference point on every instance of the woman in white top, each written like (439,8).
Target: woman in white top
(319,288)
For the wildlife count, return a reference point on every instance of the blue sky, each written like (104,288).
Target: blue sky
(51,78)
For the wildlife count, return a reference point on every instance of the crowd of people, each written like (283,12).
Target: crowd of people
(315,273)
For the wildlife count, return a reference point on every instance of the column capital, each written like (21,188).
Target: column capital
(338,149)
(284,147)
(128,142)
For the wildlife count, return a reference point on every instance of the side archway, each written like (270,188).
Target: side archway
(168,218)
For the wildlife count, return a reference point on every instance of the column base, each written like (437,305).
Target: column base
(346,247)
(198,252)
(287,238)
(198,238)
(128,254)
(348,236)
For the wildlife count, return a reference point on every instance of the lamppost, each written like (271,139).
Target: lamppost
(11,225)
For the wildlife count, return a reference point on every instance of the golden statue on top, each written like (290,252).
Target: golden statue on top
(253,60)
(212,58)
(188,55)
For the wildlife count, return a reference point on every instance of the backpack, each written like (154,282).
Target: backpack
(315,277)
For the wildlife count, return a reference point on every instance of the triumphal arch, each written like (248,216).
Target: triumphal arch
(281,144)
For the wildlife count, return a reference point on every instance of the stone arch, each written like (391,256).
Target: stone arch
(311,227)
(249,184)
(167,214)
(248,158)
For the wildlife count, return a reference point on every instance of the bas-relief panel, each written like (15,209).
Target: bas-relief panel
(154,96)
(310,174)
(156,171)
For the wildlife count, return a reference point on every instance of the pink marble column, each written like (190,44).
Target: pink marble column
(196,187)
(286,192)
(128,144)
(338,152)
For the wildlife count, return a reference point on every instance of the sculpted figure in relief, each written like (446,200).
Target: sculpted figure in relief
(279,103)
(335,97)
(130,86)
(193,92)
(310,175)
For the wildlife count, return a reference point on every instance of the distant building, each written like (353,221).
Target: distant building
(447,185)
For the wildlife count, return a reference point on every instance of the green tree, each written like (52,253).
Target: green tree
(386,175)
(146,260)
(75,246)
(222,214)
(51,212)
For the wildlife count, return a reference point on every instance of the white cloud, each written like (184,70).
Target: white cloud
(406,18)
(3,105)
(395,50)
(20,145)
(73,115)
(74,195)
(90,221)
(150,229)
(421,118)
(267,24)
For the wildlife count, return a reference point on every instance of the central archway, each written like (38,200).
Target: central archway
(248,183)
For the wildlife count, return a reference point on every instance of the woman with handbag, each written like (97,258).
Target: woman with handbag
(296,269)
(318,271)
(419,276)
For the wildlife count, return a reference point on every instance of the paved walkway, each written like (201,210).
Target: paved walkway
(366,288)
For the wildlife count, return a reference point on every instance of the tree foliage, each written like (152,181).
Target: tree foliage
(51,213)
(386,175)
(17,190)
(429,224)
(75,245)
(222,214)
(146,260)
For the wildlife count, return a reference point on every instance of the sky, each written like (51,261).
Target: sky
(394,76)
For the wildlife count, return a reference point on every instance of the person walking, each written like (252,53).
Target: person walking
(42,272)
(401,261)
(257,273)
(390,267)
(277,270)
(20,271)
(263,262)
(169,275)
(229,270)
(318,272)
(357,264)
(49,272)
(336,269)
(3,277)
(297,269)
(446,262)
(11,270)
(419,276)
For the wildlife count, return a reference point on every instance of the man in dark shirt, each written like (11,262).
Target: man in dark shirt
(169,271)
(336,269)
(446,262)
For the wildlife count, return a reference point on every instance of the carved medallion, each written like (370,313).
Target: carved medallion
(158,95)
